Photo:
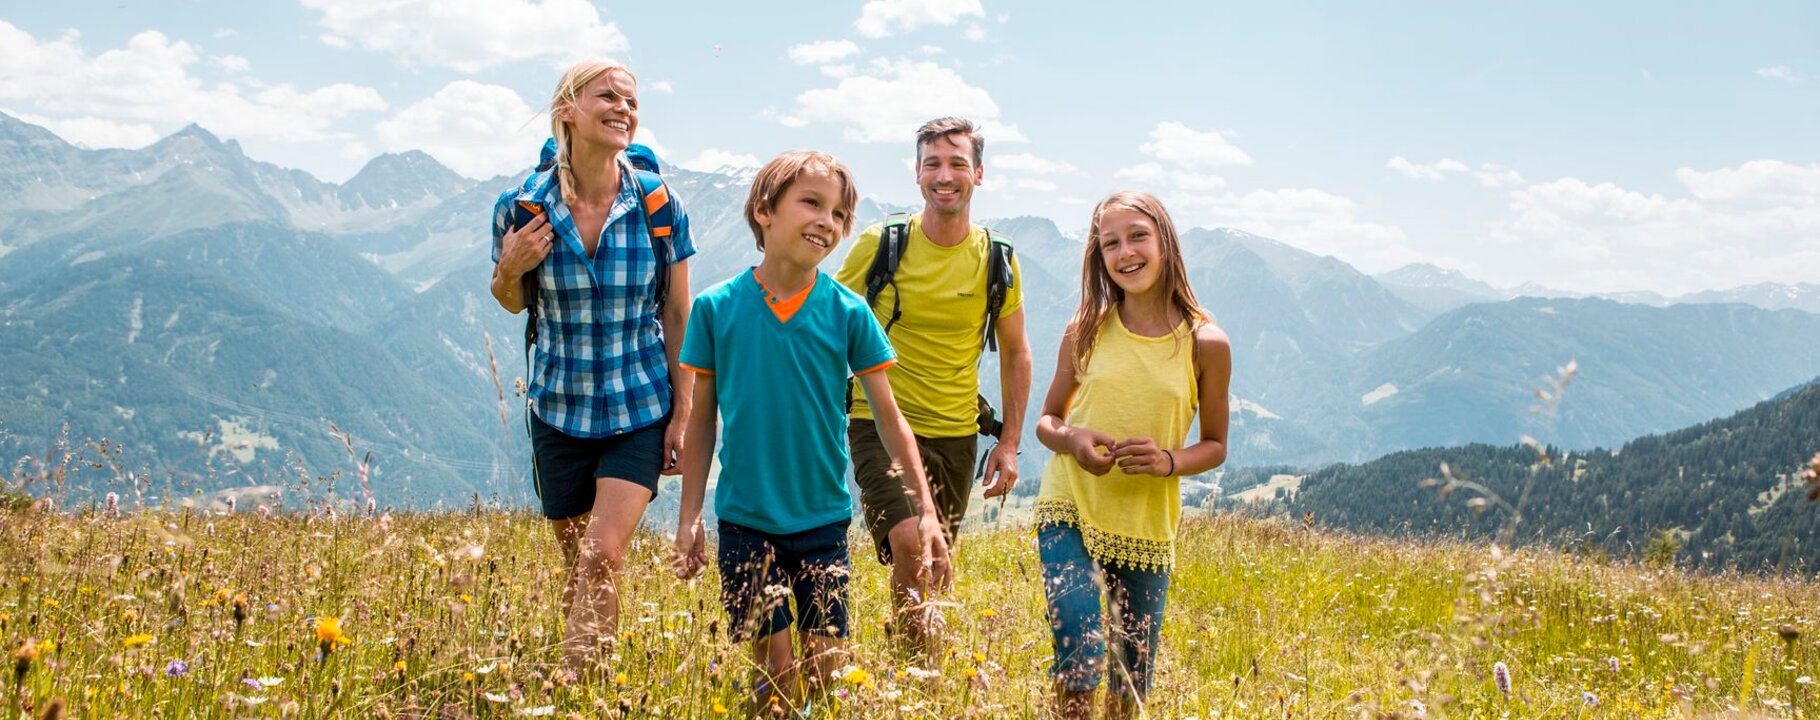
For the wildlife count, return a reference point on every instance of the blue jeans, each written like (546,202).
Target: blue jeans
(1072,584)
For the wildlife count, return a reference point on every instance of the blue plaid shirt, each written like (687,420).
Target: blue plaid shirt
(599,367)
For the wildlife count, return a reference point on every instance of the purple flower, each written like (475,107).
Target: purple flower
(1500,674)
(177,668)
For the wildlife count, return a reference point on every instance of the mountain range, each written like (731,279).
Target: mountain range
(214,314)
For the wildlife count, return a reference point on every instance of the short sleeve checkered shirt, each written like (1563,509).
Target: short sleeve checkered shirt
(598,368)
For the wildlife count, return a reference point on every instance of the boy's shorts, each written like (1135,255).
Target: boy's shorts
(565,466)
(947,461)
(760,573)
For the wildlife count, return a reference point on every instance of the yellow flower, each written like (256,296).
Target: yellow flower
(973,672)
(619,679)
(399,666)
(988,613)
(329,635)
(47,647)
(979,658)
(858,676)
(467,676)
(719,709)
(133,641)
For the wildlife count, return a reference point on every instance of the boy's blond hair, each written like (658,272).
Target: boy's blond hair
(775,178)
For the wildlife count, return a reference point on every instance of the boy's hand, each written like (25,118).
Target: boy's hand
(1141,456)
(937,564)
(1085,444)
(691,552)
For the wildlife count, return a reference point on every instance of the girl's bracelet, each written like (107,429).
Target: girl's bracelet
(1171,457)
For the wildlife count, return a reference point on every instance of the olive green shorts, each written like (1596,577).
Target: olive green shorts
(947,461)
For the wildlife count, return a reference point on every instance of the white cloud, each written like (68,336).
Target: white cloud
(880,18)
(891,98)
(148,83)
(477,130)
(1740,225)
(1770,182)
(1489,175)
(1435,172)
(1154,176)
(1779,72)
(975,33)
(471,36)
(930,50)
(1175,143)
(823,52)
(713,159)
(231,63)
(224,33)
(1036,184)
(662,86)
(1312,219)
(839,71)
(1028,164)
(93,132)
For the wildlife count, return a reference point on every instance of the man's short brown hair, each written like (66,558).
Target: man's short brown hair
(943,127)
(775,178)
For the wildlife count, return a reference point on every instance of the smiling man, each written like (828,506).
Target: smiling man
(934,309)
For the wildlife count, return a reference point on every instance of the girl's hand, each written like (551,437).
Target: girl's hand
(1085,445)
(1141,456)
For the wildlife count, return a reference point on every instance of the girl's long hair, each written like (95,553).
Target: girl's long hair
(568,91)
(1100,296)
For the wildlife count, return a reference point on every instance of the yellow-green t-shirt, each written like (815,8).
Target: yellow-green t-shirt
(940,334)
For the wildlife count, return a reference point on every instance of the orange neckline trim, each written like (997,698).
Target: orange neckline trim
(784,308)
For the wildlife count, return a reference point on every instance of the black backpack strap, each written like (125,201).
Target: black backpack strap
(893,239)
(999,281)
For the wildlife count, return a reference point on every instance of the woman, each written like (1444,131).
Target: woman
(607,400)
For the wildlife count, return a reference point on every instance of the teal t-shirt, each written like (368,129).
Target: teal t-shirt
(782,391)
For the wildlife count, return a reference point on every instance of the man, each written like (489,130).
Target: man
(934,312)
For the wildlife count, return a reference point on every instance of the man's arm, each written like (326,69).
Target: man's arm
(1015,368)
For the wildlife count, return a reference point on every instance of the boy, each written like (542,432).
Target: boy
(772,349)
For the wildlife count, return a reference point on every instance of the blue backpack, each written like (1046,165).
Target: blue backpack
(653,195)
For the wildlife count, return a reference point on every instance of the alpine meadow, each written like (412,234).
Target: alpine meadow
(1522,307)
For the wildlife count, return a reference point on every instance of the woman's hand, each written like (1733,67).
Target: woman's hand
(1085,445)
(673,447)
(522,250)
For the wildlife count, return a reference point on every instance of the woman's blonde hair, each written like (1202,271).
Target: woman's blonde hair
(568,91)
(1100,296)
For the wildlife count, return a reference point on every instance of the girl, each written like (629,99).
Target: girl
(608,401)
(1139,356)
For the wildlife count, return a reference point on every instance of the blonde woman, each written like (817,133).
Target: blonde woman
(607,401)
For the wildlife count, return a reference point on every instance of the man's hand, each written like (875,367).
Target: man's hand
(1001,470)
(690,554)
(937,566)
(1085,446)
(523,249)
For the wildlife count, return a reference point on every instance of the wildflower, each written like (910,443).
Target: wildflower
(988,614)
(23,659)
(133,641)
(240,610)
(1589,699)
(113,505)
(858,676)
(264,512)
(619,679)
(329,635)
(176,668)
(1500,674)
(539,711)
(719,707)
(1611,663)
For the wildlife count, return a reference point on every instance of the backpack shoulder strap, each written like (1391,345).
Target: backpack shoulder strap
(999,281)
(893,240)
(660,219)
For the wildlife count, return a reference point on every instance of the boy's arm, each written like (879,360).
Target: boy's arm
(697,454)
(894,431)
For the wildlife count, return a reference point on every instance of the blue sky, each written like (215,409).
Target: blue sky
(1588,146)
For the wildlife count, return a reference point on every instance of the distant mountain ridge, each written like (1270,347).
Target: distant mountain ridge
(1443,289)
(390,268)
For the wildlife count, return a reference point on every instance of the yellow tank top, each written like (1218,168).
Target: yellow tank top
(1134,386)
